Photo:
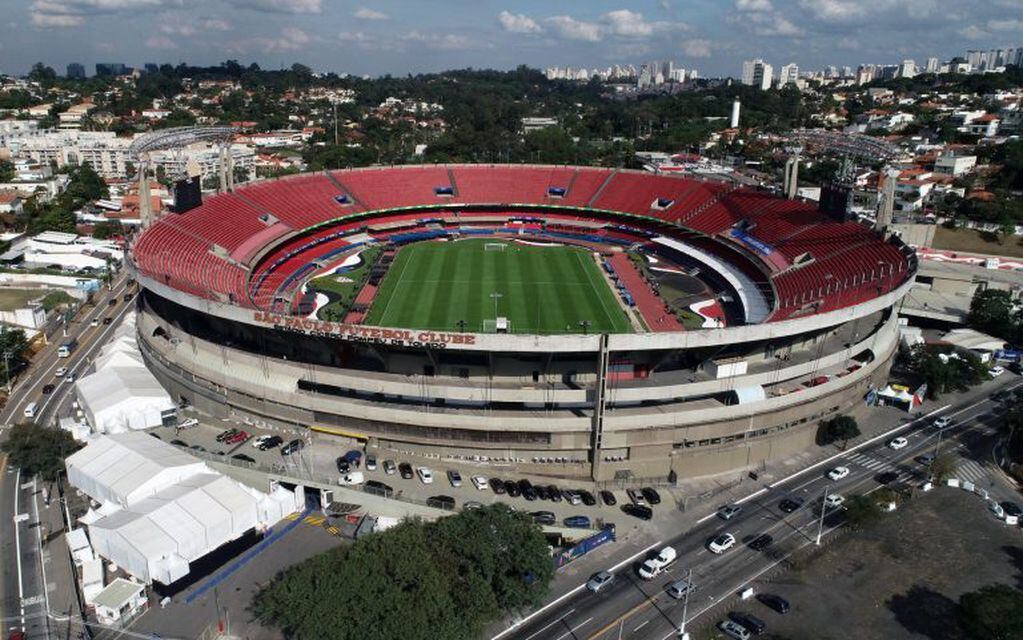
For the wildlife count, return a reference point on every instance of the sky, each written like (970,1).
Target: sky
(374,37)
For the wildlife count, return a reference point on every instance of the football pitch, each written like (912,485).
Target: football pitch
(441,285)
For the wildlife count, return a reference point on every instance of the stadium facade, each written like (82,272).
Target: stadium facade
(791,318)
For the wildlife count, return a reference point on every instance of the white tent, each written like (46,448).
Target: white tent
(157,538)
(122,394)
(125,468)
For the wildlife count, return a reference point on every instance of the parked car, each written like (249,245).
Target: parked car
(943,422)
(1012,509)
(640,511)
(608,498)
(512,488)
(541,492)
(472,504)
(94,323)
(897,443)
(651,495)
(224,435)
(996,509)
(771,601)
(577,522)
(354,458)
(272,441)
(480,482)
(838,473)
(729,511)
(554,493)
(734,630)
(996,371)
(600,580)
(60,372)
(833,501)
(405,471)
(108,320)
(761,542)
(587,497)
(292,447)
(351,478)
(258,441)
(791,503)
(390,468)
(636,496)
(237,438)
(497,486)
(750,622)
(454,478)
(371,462)
(721,543)
(425,475)
(179,443)
(654,566)
(527,490)
(343,466)
(926,458)
(441,502)
(243,457)
(544,517)
(378,488)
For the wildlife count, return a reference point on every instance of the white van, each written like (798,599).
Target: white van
(351,478)
(654,566)
(30,410)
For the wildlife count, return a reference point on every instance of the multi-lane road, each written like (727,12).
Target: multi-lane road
(23,597)
(633,608)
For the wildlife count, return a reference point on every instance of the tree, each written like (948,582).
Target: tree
(39,451)
(861,511)
(943,467)
(842,428)
(993,311)
(6,171)
(42,74)
(945,372)
(13,343)
(993,612)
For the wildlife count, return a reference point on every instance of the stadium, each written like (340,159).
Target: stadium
(565,321)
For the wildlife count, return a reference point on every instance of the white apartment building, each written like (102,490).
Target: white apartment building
(789,73)
(757,73)
(949,164)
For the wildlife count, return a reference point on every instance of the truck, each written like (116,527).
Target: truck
(66,348)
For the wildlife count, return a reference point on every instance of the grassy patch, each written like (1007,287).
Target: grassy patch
(973,241)
(343,288)
(11,299)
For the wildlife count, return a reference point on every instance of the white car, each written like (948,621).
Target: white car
(351,478)
(897,443)
(480,482)
(996,509)
(651,568)
(834,501)
(94,323)
(454,478)
(599,581)
(996,371)
(258,441)
(60,372)
(838,473)
(943,422)
(721,543)
(425,475)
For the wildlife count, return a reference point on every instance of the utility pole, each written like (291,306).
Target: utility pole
(685,607)
(820,523)
(7,370)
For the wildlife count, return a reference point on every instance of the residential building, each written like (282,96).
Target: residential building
(76,71)
(789,73)
(109,69)
(953,165)
(933,66)
(757,73)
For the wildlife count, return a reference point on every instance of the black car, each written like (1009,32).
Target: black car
(441,502)
(750,622)
(544,517)
(1012,509)
(378,488)
(771,601)
(48,388)
(243,457)
(886,477)
(497,486)
(651,495)
(554,493)
(790,504)
(126,297)
(761,542)
(155,435)
(527,490)
(587,498)
(108,320)
(514,491)
(224,435)
(292,447)
(405,470)
(608,498)
(271,442)
(343,466)
(198,447)
(640,511)
(541,492)
(111,302)
(179,443)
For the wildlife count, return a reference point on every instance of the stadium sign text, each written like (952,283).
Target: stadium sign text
(361,333)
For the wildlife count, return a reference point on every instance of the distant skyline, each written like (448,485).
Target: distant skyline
(406,36)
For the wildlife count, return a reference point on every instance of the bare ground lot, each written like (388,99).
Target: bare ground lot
(900,579)
(972,241)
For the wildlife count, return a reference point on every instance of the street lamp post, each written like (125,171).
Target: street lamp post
(682,634)
(820,523)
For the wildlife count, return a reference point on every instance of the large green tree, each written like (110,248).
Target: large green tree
(945,371)
(429,580)
(993,311)
(840,428)
(993,612)
(38,451)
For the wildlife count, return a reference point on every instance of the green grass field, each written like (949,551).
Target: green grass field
(433,285)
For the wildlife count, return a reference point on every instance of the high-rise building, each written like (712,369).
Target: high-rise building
(907,69)
(75,70)
(933,66)
(788,73)
(757,73)
(152,67)
(108,69)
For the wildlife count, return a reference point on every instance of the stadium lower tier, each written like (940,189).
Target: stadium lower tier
(604,407)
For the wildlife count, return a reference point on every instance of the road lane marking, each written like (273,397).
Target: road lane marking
(572,630)
(568,613)
(641,625)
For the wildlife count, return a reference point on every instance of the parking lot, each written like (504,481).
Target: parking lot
(898,579)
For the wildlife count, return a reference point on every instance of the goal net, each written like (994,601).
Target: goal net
(494,246)
(500,325)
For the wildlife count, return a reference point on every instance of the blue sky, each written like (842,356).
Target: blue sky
(400,36)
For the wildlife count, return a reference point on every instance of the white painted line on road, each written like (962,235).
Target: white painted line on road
(568,613)
(571,593)
(17,548)
(641,625)
(574,629)
(39,543)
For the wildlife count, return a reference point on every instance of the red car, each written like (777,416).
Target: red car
(238,438)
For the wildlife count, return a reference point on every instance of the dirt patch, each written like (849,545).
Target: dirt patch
(901,578)
(972,241)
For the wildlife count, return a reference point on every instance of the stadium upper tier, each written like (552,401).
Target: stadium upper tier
(250,248)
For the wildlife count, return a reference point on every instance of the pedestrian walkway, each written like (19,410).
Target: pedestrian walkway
(971,471)
(870,462)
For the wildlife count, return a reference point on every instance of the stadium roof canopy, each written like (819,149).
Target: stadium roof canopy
(128,467)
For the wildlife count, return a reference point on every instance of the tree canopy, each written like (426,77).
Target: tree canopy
(38,451)
(840,428)
(957,371)
(443,579)
(993,612)
(993,311)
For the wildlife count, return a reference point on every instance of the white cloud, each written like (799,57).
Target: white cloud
(441,42)
(753,5)
(973,32)
(173,26)
(628,24)
(160,42)
(696,48)
(56,20)
(71,13)
(1008,24)
(215,24)
(767,25)
(518,23)
(280,6)
(290,39)
(364,13)
(569,27)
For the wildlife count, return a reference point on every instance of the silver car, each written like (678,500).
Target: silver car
(599,581)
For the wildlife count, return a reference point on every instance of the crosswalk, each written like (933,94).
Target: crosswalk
(870,462)
(971,470)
